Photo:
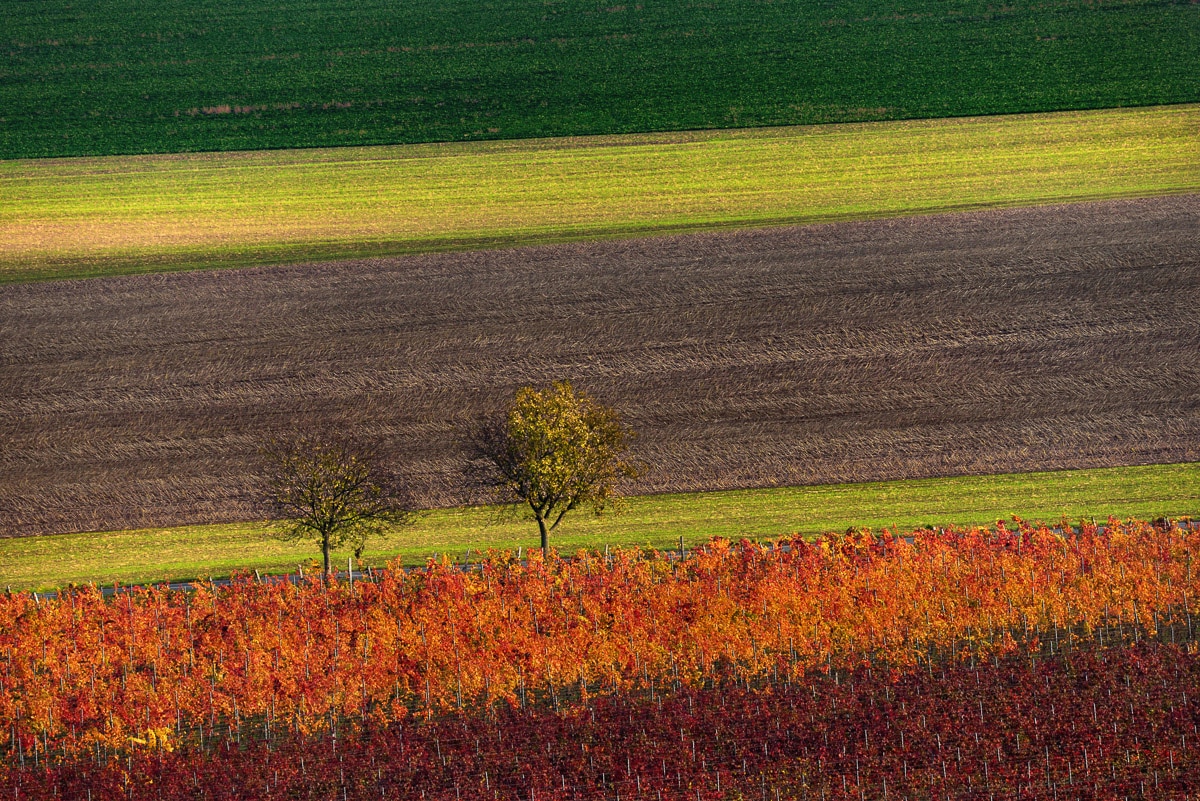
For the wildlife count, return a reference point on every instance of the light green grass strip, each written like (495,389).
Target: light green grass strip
(77,217)
(655,520)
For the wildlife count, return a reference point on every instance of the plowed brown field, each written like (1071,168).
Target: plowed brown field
(1052,337)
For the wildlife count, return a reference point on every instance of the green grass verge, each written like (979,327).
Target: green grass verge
(128,76)
(656,520)
(83,217)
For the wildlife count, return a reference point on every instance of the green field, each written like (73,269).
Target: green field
(81,217)
(656,520)
(127,76)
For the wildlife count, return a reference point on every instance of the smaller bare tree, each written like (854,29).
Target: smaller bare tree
(328,490)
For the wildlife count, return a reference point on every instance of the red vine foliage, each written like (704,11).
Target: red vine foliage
(1089,724)
(81,674)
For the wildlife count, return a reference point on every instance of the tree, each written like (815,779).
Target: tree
(329,490)
(555,450)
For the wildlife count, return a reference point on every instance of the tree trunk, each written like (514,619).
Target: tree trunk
(325,553)
(545,537)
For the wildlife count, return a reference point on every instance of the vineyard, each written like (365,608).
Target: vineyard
(1017,661)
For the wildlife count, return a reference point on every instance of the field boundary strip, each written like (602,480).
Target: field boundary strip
(181,554)
(131,214)
(351,575)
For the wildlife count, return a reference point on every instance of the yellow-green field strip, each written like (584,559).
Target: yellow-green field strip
(655,520)
(80,217)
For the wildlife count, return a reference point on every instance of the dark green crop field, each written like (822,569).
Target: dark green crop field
(136,76)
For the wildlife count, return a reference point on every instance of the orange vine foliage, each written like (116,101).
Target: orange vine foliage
(81,671)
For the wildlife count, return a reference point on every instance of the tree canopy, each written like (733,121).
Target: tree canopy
(555,449)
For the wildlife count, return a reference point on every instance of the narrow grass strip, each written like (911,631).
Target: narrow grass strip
(95,216)
(649,521)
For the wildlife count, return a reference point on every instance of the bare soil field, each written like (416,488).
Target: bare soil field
(997,341)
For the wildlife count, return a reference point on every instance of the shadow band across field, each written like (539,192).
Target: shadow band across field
(283,253)
(972,343)
(91,217)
